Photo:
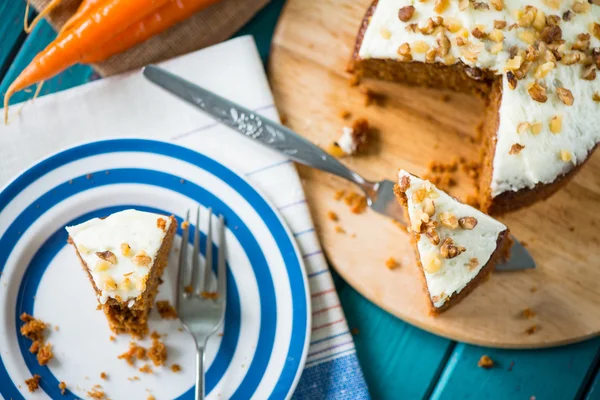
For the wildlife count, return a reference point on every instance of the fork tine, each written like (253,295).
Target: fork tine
(208,259)
(195,283)
(222,262)
(181,273)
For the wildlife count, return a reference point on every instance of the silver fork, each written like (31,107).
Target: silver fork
(201,311)
(380,195)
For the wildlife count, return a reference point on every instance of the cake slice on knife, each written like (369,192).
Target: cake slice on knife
(124,256)
(457,246)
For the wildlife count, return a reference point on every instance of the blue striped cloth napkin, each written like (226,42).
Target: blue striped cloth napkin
(332,370)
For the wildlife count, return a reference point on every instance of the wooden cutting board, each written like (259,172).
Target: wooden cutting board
(311,48)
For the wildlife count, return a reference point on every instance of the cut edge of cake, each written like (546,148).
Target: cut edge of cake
(129,315)
(442,237)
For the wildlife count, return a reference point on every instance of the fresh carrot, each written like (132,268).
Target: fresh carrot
(93,30)
(84,7)
(153,24)
(29,27)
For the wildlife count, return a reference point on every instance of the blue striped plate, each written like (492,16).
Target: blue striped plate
(267,323)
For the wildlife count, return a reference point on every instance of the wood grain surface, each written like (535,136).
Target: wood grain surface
(311,48)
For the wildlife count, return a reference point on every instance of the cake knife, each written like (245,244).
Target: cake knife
(380,195)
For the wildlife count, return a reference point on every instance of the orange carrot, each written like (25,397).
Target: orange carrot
(153,24)
(84,7)
(93,30)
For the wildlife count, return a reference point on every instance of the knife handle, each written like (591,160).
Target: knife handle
(252,125)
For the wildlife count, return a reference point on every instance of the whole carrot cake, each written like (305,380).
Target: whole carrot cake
(456,246)
(124,256)
(534,61)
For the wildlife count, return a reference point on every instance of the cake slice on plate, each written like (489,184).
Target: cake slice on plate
(124,256)
(456,246)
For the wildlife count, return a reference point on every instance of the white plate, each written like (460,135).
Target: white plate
(266,334)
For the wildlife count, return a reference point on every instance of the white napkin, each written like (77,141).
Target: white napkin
(129,105)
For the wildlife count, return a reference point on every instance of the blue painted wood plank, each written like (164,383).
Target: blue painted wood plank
(592,390)
(12,34)
(398,360)
(41,36)
(557,373)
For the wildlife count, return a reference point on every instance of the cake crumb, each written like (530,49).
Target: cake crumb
(188,289)
(161,223)
(111,338)
(528,313)
(332,216)
(485,362)
(63,388)
(134,353)
(150,397)
(185,225)
(155,335)
(175,368)
(32,328)
(356,202)
(146,369)
(391,263)
(97,393)
(210,295)
(166,310)
(354,331)
(283,119)
(134,378)
(56,328)
(180,329)
(103,375)
(532,329)
(339,229)
(33,383)
(157,352)
(339,194)
(345,114)
(45,354)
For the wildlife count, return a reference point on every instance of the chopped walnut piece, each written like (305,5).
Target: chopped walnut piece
(162,224)
(499,24)
(419,195)
(404,183)
(391,263)
(596,97)
(513,63)
(568,15)
(556,124)
(125,249)
(472,264)
(527,36)
(565,96)
(385,33)
(538,93)
(449,250)
(565,155)
(516,149)
(83,249)
(468,223)
(420,46)
(596,29)
(108,256)
(102,265)
(511,80)
(443,44)
(405,52)
(478,5)
(536,128)
(479,34)
(551,34)
(33,383)
(430,232)
(449,220)
(581,6)
(571,58)
(109,283)
(582,43)
(543,69)
(411,28)
(485,362)
(463,4)
(430,55)
(429,207)
(526,18)
(496,36)
(589,73)
(431,263)
(440,6)
(142,259)
(539,22)
(497,4)
(523,127)
(406,13)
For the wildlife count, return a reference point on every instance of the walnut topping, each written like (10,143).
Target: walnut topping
(449,220)
(162,224)
(556,124)
(429,230)
(595,28)
(538,93)
(496,35)
(596,97)
(385,33)
(432,263)
(551,34)
(516,149)
(496,48)
(480,5)
(526,17)
(589,73)
(126,284)
(125,249)
(543,70)
(415,225)
(539,22)
(463,5)
(478,33)
(582,43)
(571,58)
(83,249)
(452,24)
(565,96)
(102,265)
(596,56)
(499,24)
(419,195)
(523,127)
(497,4)
(472,264)
(429,207)
(109,283)
(404,52)
(581,6)
(527,36)
(406,13)
(460,41)
(536,128)
(443,44)
(427,29)
(142,259)
(420,46)
(514,63)
(441,5)
(468,223)
(511,80)
(430,55)
(404,183)
(568,15)
(411,28)
(449,250)
(565,155)
(107,256)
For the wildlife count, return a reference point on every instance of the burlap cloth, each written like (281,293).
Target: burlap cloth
(205,28)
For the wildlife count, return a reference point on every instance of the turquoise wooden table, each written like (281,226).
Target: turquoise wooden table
(398,360)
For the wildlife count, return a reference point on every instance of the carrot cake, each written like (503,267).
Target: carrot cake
(456,246)
(124,256)
(535,64)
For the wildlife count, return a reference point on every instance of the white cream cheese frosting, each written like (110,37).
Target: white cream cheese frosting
(120,250)
(473,234)
(556,136)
